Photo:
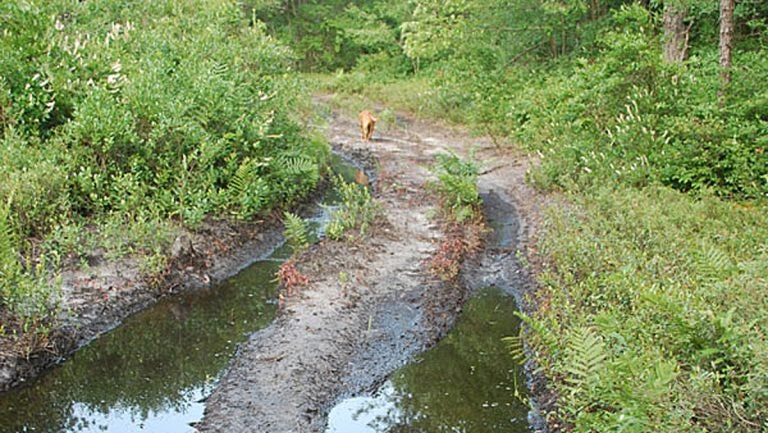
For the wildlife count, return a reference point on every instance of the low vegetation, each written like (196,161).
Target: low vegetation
(120,123)
(457,186)
(653,311)
(295,232)
(461,208)
(353,215)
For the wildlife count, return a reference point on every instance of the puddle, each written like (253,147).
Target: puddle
(149,374)
(467,383)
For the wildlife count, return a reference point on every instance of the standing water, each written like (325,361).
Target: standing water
(467,383)
(149,374)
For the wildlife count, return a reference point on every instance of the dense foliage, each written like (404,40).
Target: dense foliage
(119,119)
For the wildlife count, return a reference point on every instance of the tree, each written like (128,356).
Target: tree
(675,32)
(726,42)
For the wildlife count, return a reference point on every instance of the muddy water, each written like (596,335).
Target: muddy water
(149,374)
(466,383)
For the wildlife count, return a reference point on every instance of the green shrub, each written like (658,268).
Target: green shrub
(356,211)
(127,119)
(457,185)
(668,293)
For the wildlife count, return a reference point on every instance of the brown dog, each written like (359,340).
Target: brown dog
(367,123)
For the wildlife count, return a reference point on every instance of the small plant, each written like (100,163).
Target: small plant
(446,263)
(458,186)
(295,232)
(356,211)
(290,278)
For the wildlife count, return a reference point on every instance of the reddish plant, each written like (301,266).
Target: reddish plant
(446,263)
(290,278)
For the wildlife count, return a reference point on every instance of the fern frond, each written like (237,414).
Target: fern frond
(295,232)
(541,330)
(219,69)
(296,165)
(712,264)
(242,177)
(585,358)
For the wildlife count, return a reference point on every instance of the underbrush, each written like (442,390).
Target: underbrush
(120,124)
(654,310)
(621,114)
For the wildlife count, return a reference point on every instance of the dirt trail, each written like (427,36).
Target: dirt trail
(371,305)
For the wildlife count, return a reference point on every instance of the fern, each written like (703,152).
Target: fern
(585,358)
(712,264)
(239,183)
(295,232)
(544,332)
(297,166)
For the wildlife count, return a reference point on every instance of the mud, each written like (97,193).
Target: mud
(372,304)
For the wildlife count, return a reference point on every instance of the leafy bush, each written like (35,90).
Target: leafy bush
(457,185)
(627,117)
(134,117)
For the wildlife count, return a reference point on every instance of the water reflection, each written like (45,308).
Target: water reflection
(149,374)
(465,384)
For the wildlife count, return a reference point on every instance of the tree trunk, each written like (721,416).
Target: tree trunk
(726,42)
(675,34)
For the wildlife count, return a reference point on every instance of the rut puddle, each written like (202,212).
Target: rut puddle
(150,373)
(467,383)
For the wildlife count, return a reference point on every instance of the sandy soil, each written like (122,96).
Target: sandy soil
(371,304)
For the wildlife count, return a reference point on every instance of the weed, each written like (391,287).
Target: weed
(356,211)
